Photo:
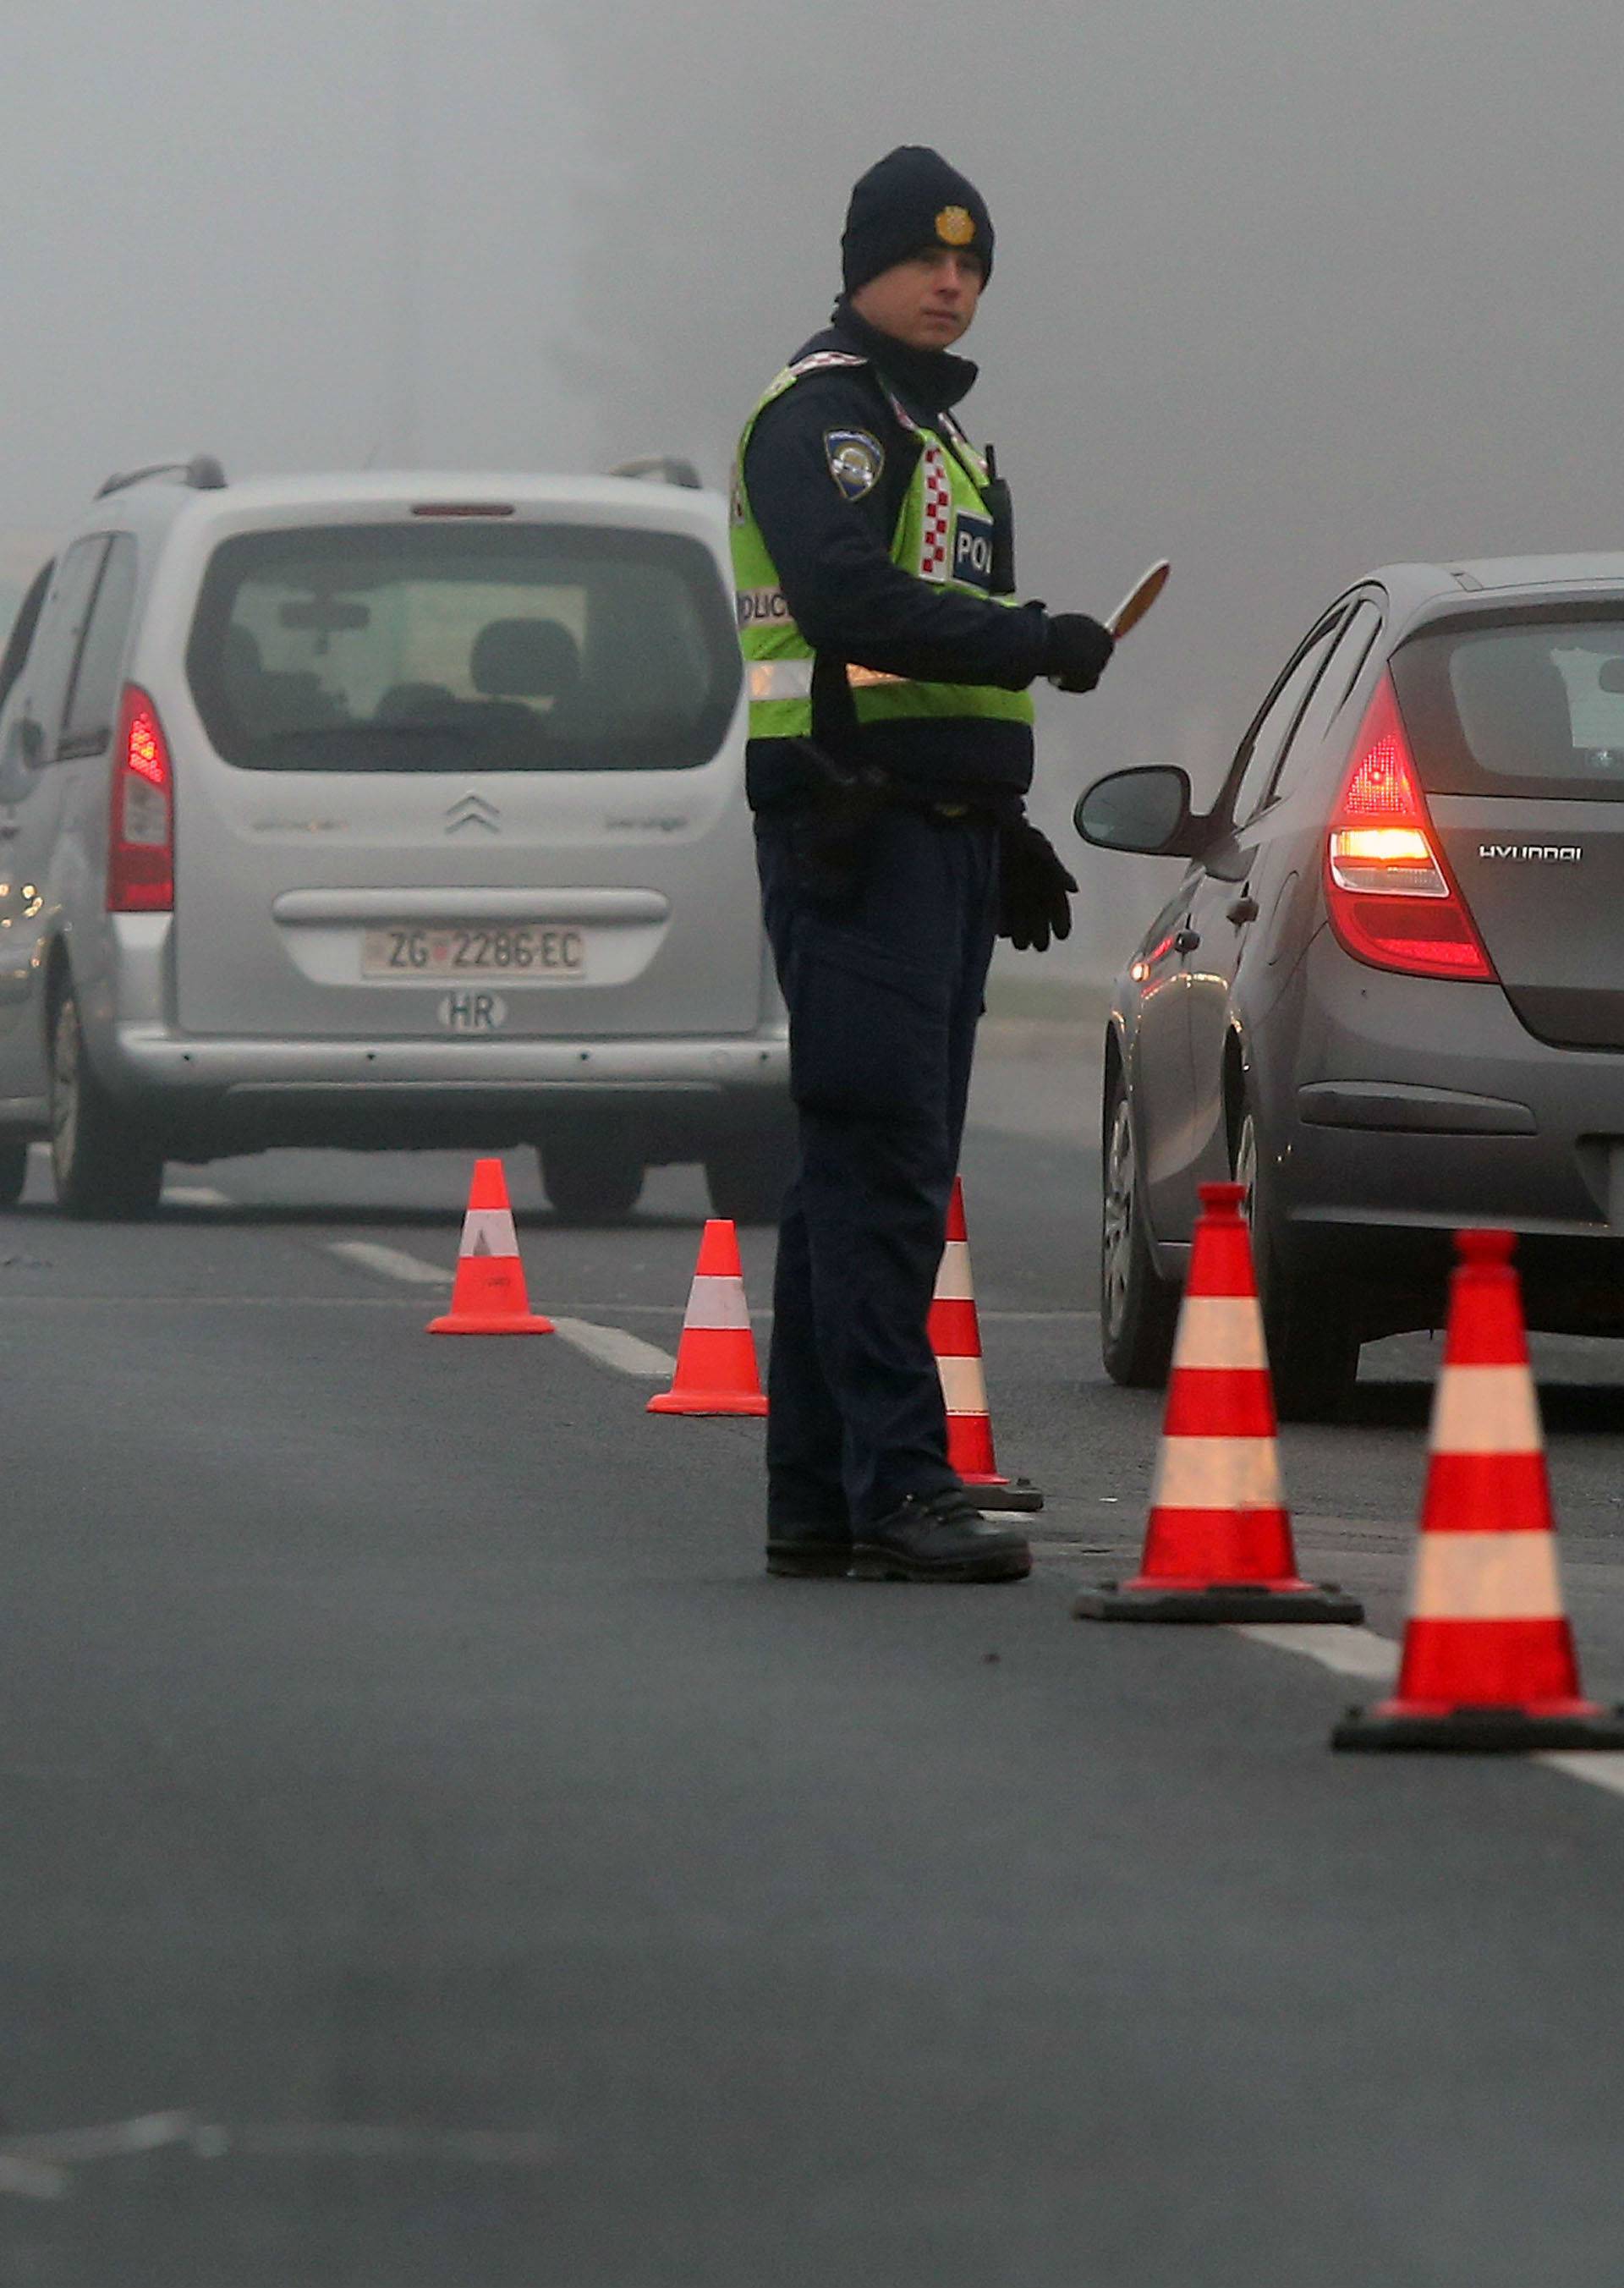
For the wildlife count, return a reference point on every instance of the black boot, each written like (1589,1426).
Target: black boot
(938,1537)
(816,1552)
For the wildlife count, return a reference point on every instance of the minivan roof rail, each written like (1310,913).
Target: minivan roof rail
(662,469)
(203,473)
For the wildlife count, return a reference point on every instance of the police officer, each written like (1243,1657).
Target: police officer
(890,746)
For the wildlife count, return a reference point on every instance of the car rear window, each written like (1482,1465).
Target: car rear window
(446,646)
(1530,705)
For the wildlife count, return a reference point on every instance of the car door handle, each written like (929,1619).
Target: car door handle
(1243,910)
(1186,941)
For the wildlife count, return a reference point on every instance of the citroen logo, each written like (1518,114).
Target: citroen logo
(473,810)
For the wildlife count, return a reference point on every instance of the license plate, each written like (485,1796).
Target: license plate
(529,953)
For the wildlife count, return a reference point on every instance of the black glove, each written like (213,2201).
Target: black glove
(1034,889)
(1077,650)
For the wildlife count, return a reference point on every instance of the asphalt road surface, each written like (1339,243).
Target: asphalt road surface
(434,1853)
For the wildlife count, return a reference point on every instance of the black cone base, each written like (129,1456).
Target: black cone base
(1019,1494)
(1478,1731)
(1226,1602)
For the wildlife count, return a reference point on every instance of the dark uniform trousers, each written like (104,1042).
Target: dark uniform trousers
(884,991)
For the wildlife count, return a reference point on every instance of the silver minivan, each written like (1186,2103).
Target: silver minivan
(383,811)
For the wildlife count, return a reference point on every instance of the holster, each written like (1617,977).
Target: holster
(829,828)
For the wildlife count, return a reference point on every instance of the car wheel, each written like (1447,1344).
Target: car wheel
(748,1176)
(104,1168)
(1309,1317)
(592,1181)
(14,1172)
(1138,1307)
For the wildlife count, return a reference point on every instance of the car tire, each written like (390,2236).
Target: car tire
(592,1180)
(105,1169)
(748,1176)
(1309,1317)
(13,1171)
(1138,1307)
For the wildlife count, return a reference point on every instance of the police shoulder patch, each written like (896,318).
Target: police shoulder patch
(855,460)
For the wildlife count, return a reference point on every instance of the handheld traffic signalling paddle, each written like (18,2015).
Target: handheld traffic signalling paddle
(1139,598)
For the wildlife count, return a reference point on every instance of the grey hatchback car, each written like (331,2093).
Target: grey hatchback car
(383,811)
(1387,993)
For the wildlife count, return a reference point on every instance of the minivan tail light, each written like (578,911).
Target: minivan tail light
(142,831)
(1392,899)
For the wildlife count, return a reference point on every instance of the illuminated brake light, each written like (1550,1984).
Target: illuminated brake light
(1392,899)
(141,828)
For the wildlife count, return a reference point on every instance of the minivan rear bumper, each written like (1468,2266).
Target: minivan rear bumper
(145,1061)
(200,1095)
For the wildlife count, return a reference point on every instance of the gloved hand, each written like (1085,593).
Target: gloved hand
(1077,650)
(1034,888)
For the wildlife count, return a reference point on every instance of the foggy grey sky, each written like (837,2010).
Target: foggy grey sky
(1285,288)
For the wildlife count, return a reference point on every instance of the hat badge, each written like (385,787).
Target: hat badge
(955,226)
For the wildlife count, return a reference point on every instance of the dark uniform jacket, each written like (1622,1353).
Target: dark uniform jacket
(853,604)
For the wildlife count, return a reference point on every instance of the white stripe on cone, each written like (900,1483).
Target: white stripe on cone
(1217,1473)
(1219,1330)
(953,1274)
(1487,1576)
(1485,1410)
(964,1385)
(489,1231)
(716,1302)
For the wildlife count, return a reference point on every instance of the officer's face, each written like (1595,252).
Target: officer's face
(926,302)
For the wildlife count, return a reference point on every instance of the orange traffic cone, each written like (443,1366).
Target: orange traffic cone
(716,1358)
(1488,1656)
(489,1297)
(955,1338)
(1218,1545)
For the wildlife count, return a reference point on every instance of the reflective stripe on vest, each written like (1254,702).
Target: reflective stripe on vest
(943,535)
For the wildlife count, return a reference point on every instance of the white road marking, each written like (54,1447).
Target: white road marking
(390,1262)
(1349,1652)
(613,1346)
(38,2168)
(144,2133)
(610,1347)
(194,1196)
(1604,1767)
(1361,1652)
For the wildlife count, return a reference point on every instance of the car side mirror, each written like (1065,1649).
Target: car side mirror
(1145,810)
(31,741)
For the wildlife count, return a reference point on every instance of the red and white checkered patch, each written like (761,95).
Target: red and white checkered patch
(936,540)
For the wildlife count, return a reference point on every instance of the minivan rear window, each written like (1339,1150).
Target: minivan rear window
(454,647)
(1531,704)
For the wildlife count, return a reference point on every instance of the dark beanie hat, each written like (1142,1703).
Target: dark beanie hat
(908,201)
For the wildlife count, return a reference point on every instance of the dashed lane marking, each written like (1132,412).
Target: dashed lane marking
(610,1347)
(1350,1652)
(41,2167)
(194,1196)
(390,1262)
(1361,1652)
(613,1346)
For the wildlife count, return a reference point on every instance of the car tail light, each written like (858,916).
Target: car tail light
(141,838)
(1392,899)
